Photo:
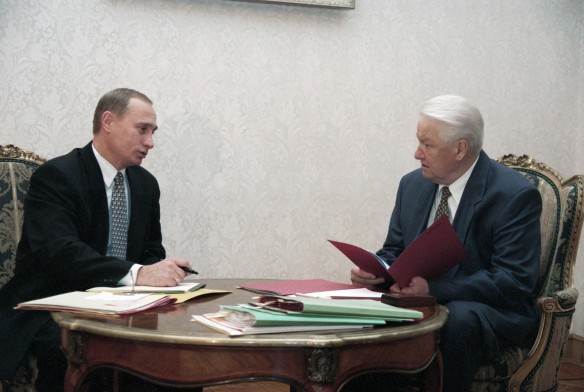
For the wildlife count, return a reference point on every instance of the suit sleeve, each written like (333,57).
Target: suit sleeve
(153,249)
(505,252)
(56,248)
(394,242)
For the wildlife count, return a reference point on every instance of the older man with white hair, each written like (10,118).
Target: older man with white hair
(495,212)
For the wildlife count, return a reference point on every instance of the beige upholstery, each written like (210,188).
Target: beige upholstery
(561,224)
(16,167)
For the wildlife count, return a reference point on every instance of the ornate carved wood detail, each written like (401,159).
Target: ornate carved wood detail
(76,348)
(322,365)
(11,151)
(527,162)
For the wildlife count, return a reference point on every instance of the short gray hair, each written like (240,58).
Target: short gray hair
(463,119)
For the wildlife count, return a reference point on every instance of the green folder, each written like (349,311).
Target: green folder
(248,316)
(345,307)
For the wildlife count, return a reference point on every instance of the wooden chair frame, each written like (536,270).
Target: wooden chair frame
(537,368)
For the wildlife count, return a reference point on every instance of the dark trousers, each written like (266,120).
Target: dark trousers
(466,344)
(51,361)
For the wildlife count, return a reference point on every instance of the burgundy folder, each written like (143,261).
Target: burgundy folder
(300,286)
(431,254)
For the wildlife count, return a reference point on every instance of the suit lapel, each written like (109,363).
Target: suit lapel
(423,205)
(138,210)
(97,196)
(472,195)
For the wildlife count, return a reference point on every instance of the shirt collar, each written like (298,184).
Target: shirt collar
(108,171)
(457,187)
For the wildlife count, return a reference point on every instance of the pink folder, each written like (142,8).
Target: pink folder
(431,254)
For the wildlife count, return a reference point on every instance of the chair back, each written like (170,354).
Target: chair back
(16,167)
(561,221)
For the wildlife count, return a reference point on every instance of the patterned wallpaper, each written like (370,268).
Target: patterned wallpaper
(284,126)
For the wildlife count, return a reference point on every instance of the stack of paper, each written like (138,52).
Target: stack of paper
(182,287)
(181,292)
(360,293)
(121,300)
(276,314)
(98,303)
(319,288)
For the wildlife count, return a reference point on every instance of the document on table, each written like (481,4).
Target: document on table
(182,287)
(335,307)
(360,293)
(291,287)
(250,316)
(272,314)
(98,303)
(230,330)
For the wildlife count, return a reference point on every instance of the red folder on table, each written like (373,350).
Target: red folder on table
(300,286)
(431,254)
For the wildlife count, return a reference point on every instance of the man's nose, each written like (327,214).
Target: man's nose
(418,154)
(149,141)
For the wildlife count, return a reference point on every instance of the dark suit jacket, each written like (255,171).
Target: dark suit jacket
(497,220)
(64,241)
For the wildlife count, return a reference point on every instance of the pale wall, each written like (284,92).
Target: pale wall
(283,126)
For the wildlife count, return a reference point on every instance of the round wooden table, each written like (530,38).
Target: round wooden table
(164,346)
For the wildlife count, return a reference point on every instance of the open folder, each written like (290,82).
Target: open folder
(431,254)
(98,303)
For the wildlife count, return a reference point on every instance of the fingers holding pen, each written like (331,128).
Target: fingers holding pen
(182,268)
(167,272)
(159,274)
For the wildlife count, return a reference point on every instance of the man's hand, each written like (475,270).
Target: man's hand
(365,279)
(417,286)
(166,272)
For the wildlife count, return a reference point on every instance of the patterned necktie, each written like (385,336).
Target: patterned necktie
(119,218)
(443,205)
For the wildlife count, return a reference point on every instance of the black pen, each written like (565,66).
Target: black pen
(189,270)
(185,269)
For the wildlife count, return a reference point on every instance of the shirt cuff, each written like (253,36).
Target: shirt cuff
(128,280)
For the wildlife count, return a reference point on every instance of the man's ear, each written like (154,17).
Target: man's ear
(107,119)
(461,147)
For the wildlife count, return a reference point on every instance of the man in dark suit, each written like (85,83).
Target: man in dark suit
(67,241)
(495,212)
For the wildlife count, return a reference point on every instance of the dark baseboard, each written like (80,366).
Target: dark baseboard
(574,352)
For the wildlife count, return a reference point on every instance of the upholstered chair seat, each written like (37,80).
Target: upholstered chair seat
(536,369)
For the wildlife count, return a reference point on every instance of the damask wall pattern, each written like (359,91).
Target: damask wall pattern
(284,126)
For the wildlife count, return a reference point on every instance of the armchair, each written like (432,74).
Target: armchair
(16,167)
(561,224)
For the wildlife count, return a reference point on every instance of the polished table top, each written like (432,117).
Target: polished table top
(164,346)
(172,324)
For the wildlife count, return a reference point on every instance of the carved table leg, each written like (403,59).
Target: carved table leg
(73,346)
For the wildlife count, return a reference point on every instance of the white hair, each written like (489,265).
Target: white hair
(463,119)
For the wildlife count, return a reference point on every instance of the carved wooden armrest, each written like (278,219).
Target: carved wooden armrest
(560,301)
